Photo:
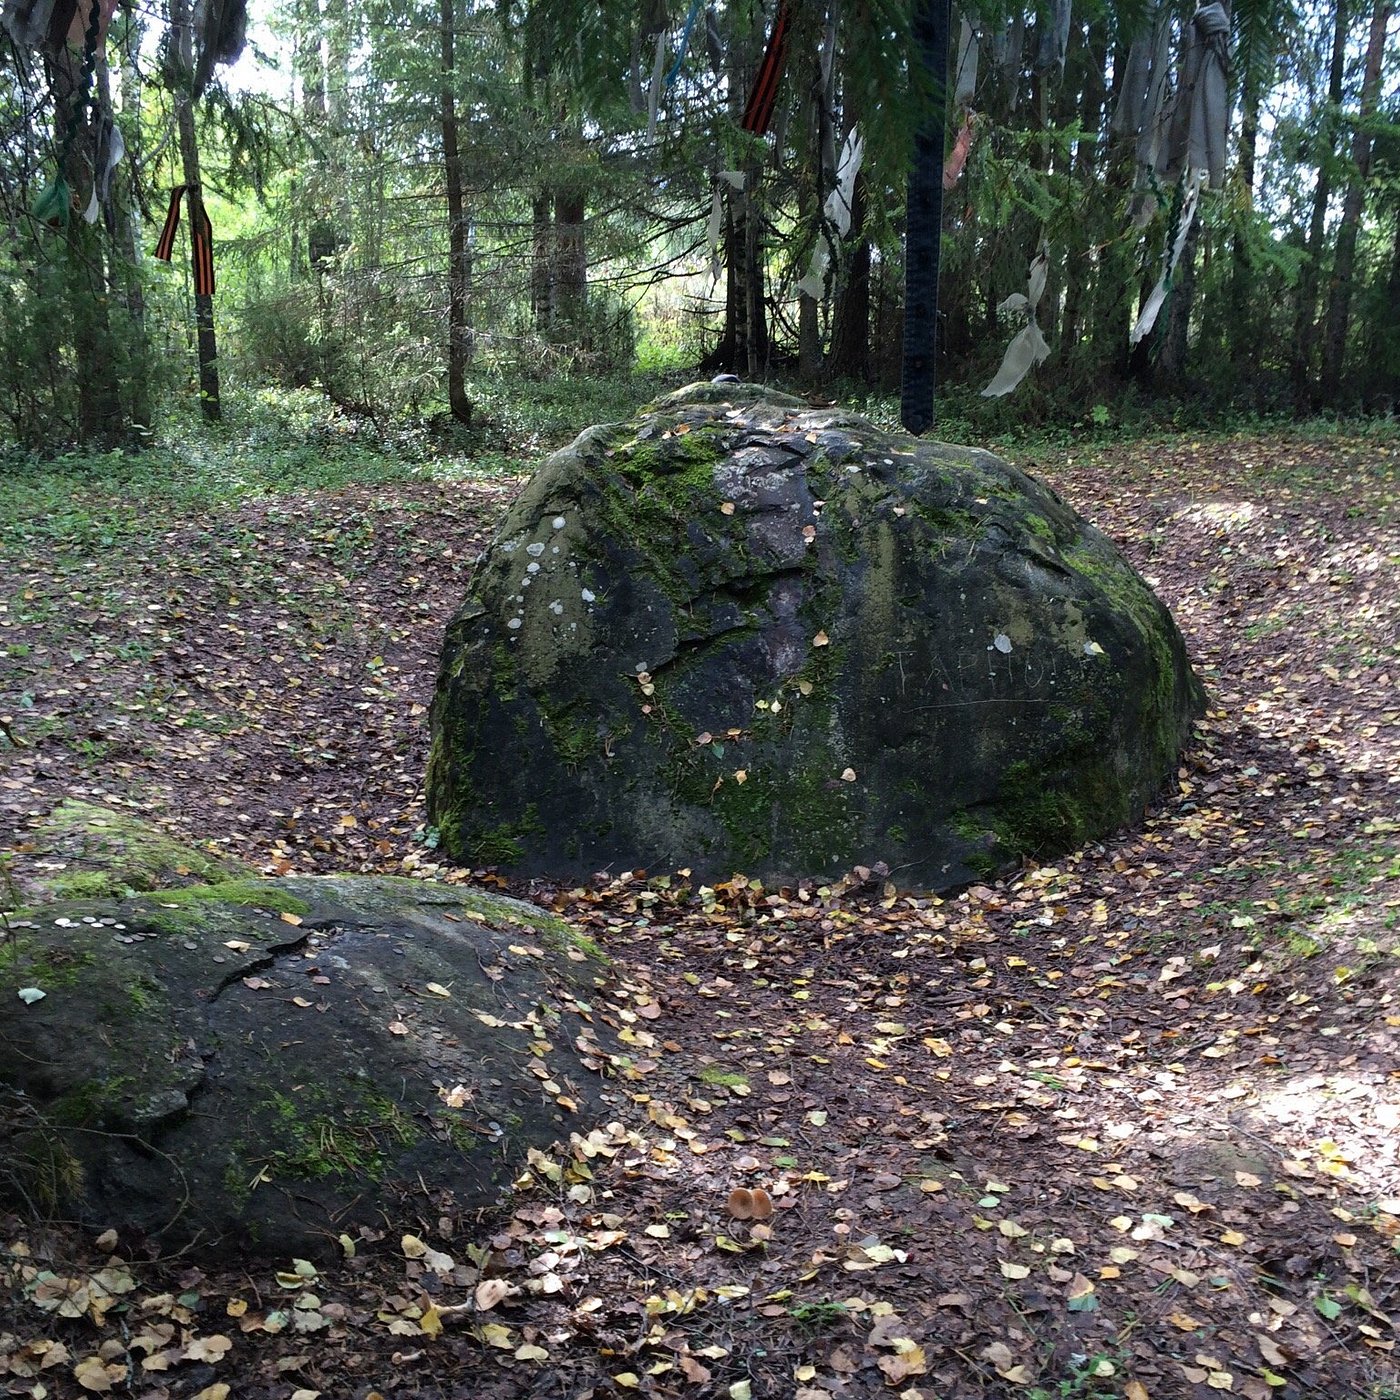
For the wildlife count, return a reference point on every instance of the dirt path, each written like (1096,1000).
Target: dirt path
(1125,1125)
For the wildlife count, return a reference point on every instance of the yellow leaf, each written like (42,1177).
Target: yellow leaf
(741,1390)
(293,919)
(1184,1321)
(628,1380)
(495,1335)
(821,640)
(1009,1270)
(530,1352)
(431,1321)
(911,1361)
(438,990)
(726,508)
(1232,1237)
(1135,1390)
(413,1247)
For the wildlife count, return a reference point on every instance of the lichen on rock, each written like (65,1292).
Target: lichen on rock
(737,633)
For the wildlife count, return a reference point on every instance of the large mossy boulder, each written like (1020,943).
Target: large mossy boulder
(740,634)
(265,1065)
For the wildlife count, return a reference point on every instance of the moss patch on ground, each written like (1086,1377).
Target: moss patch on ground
(110,853)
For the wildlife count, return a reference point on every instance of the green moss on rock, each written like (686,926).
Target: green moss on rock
(256,894)
(111,852)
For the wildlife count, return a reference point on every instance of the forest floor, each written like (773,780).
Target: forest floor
(1122,1125)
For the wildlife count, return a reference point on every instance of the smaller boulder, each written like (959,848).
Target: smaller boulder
(272,1063)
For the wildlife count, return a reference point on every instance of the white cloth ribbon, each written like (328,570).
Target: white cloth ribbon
(1028,347)
(1147,318)
(836,214)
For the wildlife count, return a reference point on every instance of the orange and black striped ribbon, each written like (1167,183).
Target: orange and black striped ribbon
(166,246)
(201,239)
(759,111)
(202,251)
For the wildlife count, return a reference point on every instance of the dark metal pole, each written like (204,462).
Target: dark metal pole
(923,237)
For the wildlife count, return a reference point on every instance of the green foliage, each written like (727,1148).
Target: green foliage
(45,312)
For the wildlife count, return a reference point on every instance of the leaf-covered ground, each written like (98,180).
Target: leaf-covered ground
(1124,1125)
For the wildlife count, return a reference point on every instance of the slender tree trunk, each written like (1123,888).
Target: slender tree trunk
(818,179)
(570,261)
(541,267)
(182,36)
(458,254)
(100,419)
(1240,332)
(755,324)
(1344,258)
(850,336)
(335,22)
(743,343)
(1305,311)
(125,231)
(206,343)
(923,240)
(1171,363)
(1389,332)
(1113,285)
(726,354)
(809,339)
(1086,154)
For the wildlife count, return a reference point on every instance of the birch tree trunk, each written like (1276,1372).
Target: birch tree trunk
(458,249)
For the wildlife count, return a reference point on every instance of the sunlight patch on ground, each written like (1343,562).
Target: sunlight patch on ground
(1220,514)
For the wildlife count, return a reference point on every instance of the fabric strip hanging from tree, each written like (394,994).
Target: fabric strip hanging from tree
(758,113)
(201,238)
(684,46)
(1028,347)
(836,215)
